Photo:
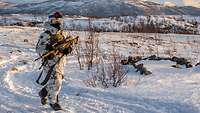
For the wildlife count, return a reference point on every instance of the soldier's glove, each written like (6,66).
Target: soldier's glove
(66,51)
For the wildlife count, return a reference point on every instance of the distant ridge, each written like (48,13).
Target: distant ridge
(99,8)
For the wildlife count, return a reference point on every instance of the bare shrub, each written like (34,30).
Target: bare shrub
(80,54)
(111,73)
(87,51)
(91,46)
(91,81)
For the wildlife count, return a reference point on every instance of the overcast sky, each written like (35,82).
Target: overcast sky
(180,2)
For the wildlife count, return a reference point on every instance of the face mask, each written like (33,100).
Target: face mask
(56,25)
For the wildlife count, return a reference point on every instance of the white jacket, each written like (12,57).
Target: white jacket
(43,40)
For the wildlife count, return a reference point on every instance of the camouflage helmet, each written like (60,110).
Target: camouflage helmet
(56,15)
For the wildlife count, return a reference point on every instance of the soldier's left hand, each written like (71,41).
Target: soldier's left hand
(68,50)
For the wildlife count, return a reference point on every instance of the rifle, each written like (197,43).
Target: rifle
(59,46)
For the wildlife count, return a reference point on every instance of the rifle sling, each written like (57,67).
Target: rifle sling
(48,74)
(37,81)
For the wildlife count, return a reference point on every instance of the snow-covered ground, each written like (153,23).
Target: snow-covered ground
(167,90)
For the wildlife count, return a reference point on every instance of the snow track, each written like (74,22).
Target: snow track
(101,102)
(168,90)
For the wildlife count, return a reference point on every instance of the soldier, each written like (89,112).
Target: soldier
(51,49)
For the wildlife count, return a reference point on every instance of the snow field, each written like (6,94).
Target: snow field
(167,90)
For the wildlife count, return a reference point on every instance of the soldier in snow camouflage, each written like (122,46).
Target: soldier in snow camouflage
(53,63)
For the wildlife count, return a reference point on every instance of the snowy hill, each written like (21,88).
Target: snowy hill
(167,90)
(143,24)
(151,8)
(22,1)
(98,8)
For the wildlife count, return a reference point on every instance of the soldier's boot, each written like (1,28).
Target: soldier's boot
(44,101)
(55,106)
(43,96)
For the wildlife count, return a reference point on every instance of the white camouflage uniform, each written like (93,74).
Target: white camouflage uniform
(53,86)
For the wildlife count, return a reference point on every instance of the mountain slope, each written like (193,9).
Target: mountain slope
(158,9)
(22,1)
(99,8)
